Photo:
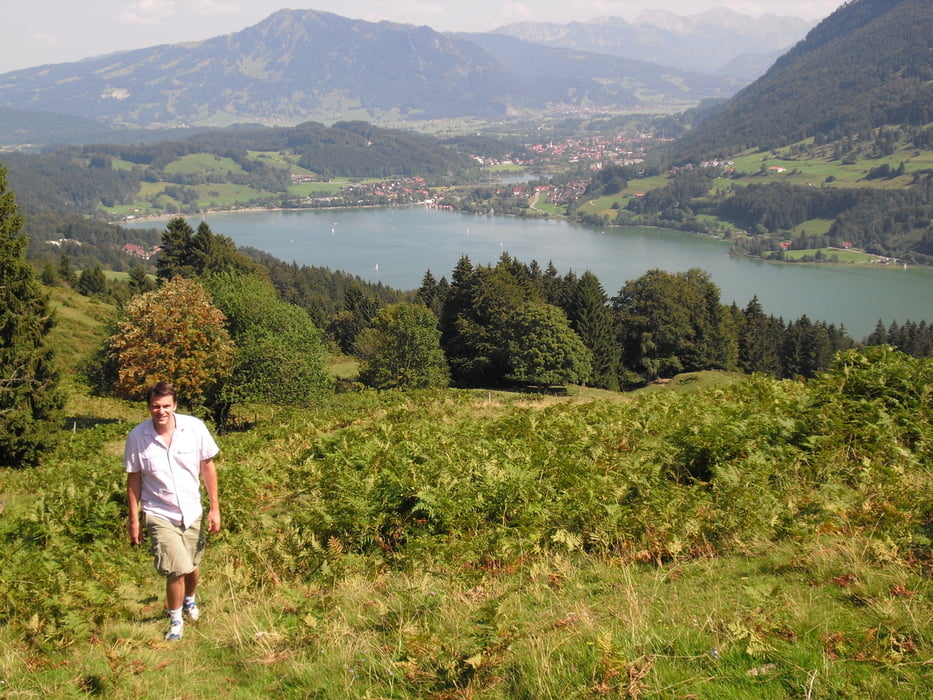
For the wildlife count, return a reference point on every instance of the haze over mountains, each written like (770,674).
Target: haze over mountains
(868,65)
(299,65)
(719,42)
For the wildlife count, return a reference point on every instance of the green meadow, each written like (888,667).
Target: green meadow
(715,536)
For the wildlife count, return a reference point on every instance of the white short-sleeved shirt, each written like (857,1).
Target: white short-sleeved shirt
(171,476)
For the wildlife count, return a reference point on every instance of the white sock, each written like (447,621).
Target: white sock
(189,600)
(175,615)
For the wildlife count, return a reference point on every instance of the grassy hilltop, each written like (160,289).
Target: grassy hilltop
(719,537)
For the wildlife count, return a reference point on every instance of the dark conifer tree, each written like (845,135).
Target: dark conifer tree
(188,253)
(176,257)
(429,293)
(807,348)
(593,321)
(923,343)
(30,396)
(359,311)
(67,273)
(879,336)
(760,341)
(139,281)
(213,253)
(455,314)
(551,286)
(91,281)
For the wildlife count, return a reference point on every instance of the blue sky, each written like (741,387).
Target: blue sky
(35,32)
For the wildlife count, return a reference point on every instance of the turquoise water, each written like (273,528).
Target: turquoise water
(396,246)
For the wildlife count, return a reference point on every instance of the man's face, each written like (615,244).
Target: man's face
(161,408)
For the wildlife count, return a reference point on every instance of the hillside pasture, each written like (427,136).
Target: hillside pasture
(454,544)
(819,167)
(203,164)
(716,536)
(839,255)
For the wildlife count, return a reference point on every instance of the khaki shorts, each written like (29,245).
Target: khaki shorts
(175,551)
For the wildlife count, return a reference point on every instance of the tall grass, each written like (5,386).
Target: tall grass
(749,539)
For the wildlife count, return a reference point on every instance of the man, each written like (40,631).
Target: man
(165,459)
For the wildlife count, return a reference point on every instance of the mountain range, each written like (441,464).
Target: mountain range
(719,41)
(868,65)
(299,65)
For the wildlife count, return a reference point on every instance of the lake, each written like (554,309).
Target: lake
(396,246)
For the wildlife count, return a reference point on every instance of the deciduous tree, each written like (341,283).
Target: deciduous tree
(543,349)
(402,349)
(280,356)
(174,334)
(674,323)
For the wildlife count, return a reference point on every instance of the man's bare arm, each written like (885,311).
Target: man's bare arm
(134,485)
(209,476)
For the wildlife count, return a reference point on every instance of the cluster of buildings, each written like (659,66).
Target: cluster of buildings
(137,251)
(619,150)
(396,191)
(404,190)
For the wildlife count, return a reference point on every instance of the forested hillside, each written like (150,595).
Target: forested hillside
(298,65)
(866,66)
(88,179)
(830,150)
(68,191)
(766,214)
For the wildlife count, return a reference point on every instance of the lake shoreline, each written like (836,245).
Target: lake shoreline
(395,245)
(878,262)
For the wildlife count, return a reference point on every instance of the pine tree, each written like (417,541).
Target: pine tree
(92,281)
(66,272)
(429,294)
(139,281)
(188,253)
(879,336)
(455,312)
(30,397)
(591,318)
(759,341)
(176,258)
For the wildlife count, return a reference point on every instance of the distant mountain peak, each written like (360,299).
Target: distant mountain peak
(847,76)
(703,42)
(300,65)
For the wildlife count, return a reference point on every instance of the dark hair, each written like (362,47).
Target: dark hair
(160,389)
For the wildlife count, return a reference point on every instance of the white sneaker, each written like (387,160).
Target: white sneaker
(175,631)
(192,611)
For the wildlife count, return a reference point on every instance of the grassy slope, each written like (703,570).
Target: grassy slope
(811,169)
(837,614)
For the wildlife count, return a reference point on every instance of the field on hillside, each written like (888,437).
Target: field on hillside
(714,537)
(799,164)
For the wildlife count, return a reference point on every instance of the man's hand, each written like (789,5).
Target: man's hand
(213,520)
(136,537)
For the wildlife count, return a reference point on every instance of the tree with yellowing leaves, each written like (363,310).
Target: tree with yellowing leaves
(173,334)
